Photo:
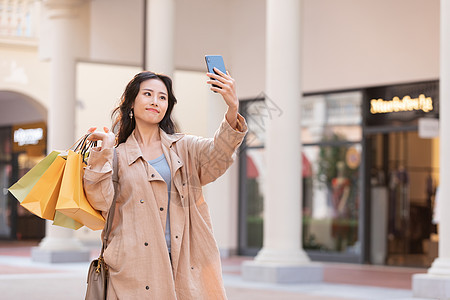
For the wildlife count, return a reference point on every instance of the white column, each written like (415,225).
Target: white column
(282,258)
(436,283)
(59,244)
(160,36)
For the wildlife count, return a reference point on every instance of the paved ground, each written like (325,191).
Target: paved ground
(21,278)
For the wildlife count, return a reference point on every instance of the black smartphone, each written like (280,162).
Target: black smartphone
(215,61)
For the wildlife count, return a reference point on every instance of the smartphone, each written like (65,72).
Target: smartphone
(215,61)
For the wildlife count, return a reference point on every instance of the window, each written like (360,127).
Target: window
(331,134)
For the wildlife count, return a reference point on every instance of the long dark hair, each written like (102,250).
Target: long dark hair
(123,125)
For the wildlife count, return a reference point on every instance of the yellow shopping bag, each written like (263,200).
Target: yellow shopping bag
(72,200)
(64,221)
(41,200)
(25,184)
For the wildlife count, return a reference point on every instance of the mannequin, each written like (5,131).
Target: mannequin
(341,190)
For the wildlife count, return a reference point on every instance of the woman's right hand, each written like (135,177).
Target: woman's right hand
(108,138)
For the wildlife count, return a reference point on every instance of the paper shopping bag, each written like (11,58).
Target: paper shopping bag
(64,221)
(25,184)
(72,200)
(41,200)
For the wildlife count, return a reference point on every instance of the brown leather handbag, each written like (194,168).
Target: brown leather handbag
(97,280)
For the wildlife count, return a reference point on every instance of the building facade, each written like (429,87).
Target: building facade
(368,81)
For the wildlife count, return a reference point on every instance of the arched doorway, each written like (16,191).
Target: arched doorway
(21,117)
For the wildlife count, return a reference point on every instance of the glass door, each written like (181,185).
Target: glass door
(6,205)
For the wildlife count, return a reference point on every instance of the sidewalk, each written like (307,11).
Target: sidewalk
(20,278)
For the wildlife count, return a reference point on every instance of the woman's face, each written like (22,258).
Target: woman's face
(151,103)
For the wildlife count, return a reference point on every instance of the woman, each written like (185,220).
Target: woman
(161,243)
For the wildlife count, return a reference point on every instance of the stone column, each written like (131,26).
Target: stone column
(59,244)
(282,258)
(159,41)
(436,283)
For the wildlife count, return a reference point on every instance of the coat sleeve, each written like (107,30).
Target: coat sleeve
(215,155)
(97,181)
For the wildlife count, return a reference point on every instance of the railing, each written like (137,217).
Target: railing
(19,18)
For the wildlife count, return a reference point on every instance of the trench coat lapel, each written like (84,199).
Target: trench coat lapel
(132,149)
(133,152)
(175,162)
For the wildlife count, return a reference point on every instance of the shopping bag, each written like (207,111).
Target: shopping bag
(25,184)
(41,200)
(72,200)
(64,221)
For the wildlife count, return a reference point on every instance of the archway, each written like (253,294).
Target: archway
(20,114)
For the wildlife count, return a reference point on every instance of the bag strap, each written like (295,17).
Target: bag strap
(112,209)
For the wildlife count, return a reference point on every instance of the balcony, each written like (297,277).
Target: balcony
(19,21)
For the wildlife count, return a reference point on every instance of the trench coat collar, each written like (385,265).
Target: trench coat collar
(133,151)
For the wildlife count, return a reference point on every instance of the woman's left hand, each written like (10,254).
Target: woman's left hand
(227,88)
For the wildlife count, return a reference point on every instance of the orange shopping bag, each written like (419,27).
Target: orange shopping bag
(41,200)
(72,200)
(25,184)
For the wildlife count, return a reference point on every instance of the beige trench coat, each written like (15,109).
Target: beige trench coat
(137,254)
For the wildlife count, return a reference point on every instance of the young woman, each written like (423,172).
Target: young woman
(161,245)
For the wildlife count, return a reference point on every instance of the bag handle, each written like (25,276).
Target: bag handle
(83,145)
(112,209)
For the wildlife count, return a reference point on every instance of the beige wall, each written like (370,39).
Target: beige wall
(355,43)
(191,111)
(116,34)
(99,88)
(247,21)
(346,43)
(201,27)
(21,71)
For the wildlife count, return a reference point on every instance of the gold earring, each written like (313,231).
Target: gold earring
(131,114)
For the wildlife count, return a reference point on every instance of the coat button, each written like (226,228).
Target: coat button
(146,244)
(142,200)
(179,162)
(182,196)
(147,287)
(153,175)
(161,208)
(184,183)
(176,236)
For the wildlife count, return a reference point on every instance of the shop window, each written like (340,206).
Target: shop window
(331,199)
(254,183)
(331,134)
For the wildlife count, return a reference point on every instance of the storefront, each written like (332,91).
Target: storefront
(22,147)
(355,207)
(402,157)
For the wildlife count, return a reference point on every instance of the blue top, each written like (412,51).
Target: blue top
(162,167)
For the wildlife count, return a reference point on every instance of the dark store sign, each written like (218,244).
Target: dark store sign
(381,106)
(29,136)
(401,105)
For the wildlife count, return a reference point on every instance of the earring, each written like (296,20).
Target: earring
(131,114)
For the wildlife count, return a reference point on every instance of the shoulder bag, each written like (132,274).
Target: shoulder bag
(97,280)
